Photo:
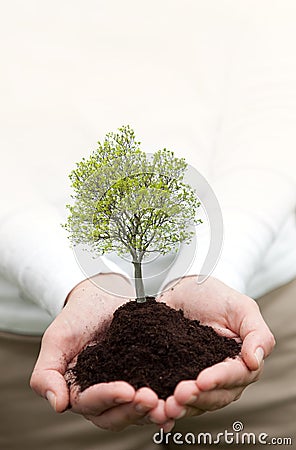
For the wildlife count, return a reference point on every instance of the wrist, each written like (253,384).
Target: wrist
(113,285)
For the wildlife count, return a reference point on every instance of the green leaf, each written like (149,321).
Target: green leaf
(129,204)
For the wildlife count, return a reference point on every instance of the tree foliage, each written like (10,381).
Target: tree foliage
(130,203)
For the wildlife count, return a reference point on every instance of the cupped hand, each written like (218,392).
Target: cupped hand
(114,405)
(231,314)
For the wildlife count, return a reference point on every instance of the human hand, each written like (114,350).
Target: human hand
(113,405)
(231,314)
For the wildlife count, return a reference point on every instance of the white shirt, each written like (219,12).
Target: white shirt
(214,81)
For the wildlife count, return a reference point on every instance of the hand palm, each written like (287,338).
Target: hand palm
(231,314)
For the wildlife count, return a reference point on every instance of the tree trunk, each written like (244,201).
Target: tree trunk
(140,291)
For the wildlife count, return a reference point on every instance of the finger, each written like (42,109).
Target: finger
(257,345)
(176,411)
(51,385)
(168,426)
(145,400)
(216,399)
(47,378)
(119,417)
(145,420)
(227,374)
(158,414)
(186,392)
(100,397)
(183,404)
(254,332)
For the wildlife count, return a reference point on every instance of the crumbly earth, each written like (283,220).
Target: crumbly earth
(151,344)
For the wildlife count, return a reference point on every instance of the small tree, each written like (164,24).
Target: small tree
(129,203)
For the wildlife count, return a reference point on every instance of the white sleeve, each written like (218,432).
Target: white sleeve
(36,255)
(253,167)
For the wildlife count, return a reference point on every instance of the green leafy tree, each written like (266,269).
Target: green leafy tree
(130,203)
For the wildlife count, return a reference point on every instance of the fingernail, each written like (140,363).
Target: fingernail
(167,426)
(141,409)
(182,414)
(192,399)
(120,401)
(153,420)
(259,354)
(51,399)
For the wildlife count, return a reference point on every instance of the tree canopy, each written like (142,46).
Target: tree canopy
(131,203)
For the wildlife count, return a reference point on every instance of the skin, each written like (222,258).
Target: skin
(115,406)
(112,406)
(231,314)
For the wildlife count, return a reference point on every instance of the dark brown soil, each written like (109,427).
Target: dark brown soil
(151,344)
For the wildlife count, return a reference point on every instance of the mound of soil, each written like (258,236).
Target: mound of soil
(151,344)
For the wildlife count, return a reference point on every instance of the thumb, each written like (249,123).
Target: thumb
(47,379)
(258,341)
(51,385)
